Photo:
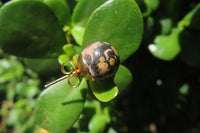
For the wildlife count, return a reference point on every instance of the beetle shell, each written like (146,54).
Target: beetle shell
(98,60)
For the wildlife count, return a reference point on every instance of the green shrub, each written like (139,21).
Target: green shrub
(43,33)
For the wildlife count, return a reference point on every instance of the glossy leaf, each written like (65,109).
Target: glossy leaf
(104,90)
(61,10)
(81,15)
(166,47)
(123,78)
(118,22)
(59,106)
(30,29)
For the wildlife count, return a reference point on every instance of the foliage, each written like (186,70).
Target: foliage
(79,29)
(153,85)
(19,87)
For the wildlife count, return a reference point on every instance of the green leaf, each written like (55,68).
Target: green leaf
(190,37)
(59,106)
(69,50)
(81,15)
(184,89)
(166,25)
(63,58)
(14,116)
(30,29)
(192,19)
(123,78)
(104,90)
(78,32)
(10,70)
(166,47)
(118,22)
(98,123)
(75,60)
(61,10)
(150,5)
(27,88)
(83,10)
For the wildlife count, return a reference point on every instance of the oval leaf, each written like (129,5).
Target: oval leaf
(59,106)
(104,90)
(30,29)
(118,22)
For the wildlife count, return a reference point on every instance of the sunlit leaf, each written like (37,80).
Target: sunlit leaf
(118,22)
(59,106)
(104,90)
